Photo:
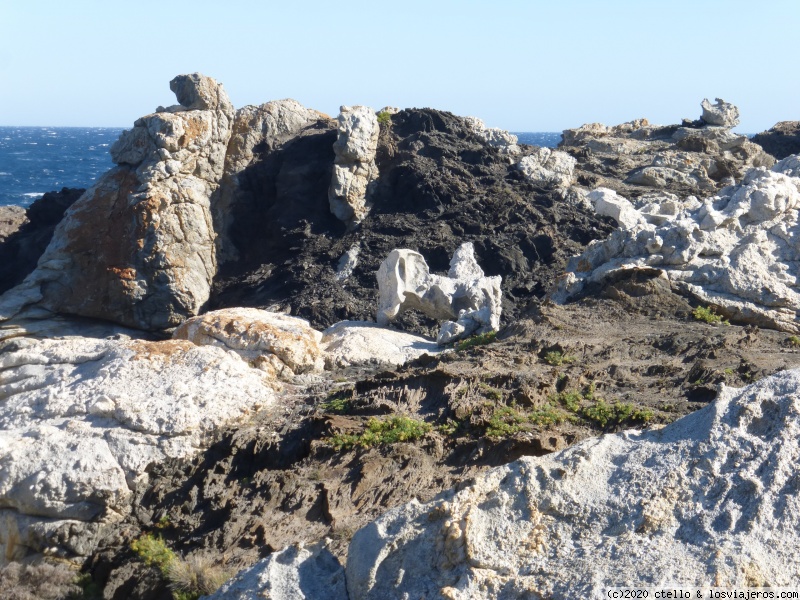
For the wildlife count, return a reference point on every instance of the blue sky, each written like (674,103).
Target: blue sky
(520,65)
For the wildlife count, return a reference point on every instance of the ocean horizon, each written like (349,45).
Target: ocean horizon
(36,160)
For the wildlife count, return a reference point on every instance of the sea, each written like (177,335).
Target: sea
(35,160)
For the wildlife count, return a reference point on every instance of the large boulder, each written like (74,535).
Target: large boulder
(721,113)
(737,251)
(711,500)
(550,168)
(465,298)
(354,170)
(360,343)
(138,248)
(82,420)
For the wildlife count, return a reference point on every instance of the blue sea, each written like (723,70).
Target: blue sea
(35,160)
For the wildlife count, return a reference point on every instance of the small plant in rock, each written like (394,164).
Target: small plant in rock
(476,340)
(384,118)
(154,552)
(195,576)
(793,341)
(556,358)
(336,403)
(382,431)
(604,414)
(489,392)
(505,421)
(707,315)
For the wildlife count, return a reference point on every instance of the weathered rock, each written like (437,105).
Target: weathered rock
(359,343)
(11,219)
(721,113)
(81,421)
(275,342)
(151,259)
(465,294)
(548,167)
(20,251)
(788,166)
(737,251)
(296,573)
(492,136)
(609,204)
(354,170)
(708,500)
(782,140)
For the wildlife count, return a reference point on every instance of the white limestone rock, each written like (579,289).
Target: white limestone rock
(721,113)
(610,204)
(260,337)
(550,168)
(710,500)
(738,250)
(788,166)
(465,294)
(295,573)
(354,169)
(492,136)
(81,420)
(360,343)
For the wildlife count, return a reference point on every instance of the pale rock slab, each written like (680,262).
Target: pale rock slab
(721,113)
(738,250)
(710,500)
(138,248)
(81,420)
(610,204)
(354,169)
(492,136)
(360,343)
(464,294)
(278,343)
(11,219)
(295,573)
(551,168)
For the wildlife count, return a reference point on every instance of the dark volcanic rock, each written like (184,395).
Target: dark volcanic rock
(439,186)
(782,140)
(21,250)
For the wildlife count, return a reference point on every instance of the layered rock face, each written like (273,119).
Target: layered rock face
(638,159)
(354,170)
(737,250)
(153,259)
(81,421)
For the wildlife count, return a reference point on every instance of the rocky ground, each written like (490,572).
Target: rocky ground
(340,447)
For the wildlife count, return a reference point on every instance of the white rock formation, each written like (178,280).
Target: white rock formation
(550,168)
(738,250)
(710,500)
(464,294)
(354,168)
(277,343)
(610,204)
(82,419)
(295,573)
(721,113)
(359,343)
(138,248)
(492,136)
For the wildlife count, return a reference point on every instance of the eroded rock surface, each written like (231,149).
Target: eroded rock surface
(737,250)
(492,136)
(11,219)
(151,259)
(549,167)
(710,500)
(81,421)
(466,299)
(359,343)
(781,140)
(721,113)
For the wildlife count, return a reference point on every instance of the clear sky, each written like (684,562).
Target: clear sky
(523,65)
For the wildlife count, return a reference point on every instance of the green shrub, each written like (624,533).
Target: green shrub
(707,315)
(793,340)
(505,421)
(154,552)
(605,414)
(195,576)
(382,431)
(555,358)
(384,118)
(476,340)
(336,403)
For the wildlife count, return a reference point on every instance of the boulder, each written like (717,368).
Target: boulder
(359,343)
(464,294)
(280,344)
(550,168)
(150,257)
(82,420)
(782,140)
(710,500)
(737,251)
(354,169)
(295,573)
(721,113)
(505,142)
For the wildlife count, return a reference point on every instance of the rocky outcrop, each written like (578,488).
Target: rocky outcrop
(21,249)
(354,170)
(151,260)
(551,168)
(11,219)
(736,250)
(637,158)
(359,343)
(782,140)
(469,301)
(82,420)
(276,343)
(505,142)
